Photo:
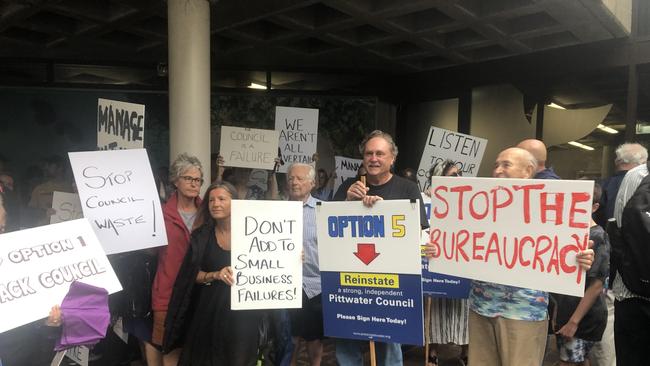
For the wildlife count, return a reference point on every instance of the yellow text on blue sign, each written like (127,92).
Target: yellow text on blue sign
(385,280)
(364,226)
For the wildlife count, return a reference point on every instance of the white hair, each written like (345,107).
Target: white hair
(311,173)
(181,164)
(631,153)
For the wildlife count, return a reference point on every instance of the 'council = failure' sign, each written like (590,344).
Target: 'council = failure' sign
(518,232)
(248,147)
(119,197)
(120,125)
(464,150)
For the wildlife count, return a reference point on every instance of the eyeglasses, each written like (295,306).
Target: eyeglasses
(189,179)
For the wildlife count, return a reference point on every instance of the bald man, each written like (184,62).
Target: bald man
(538,150)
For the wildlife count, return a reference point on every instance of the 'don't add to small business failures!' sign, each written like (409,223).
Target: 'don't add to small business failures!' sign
(119,198)
(298,129)
(518,232)
(120,125)
(465,150)
(370,270)
(266,254)
(37,266)
(248,147)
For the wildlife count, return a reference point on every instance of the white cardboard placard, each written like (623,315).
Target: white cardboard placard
(66,206)
(517,232)
(467,151)
(248,147)
(120,125)
(119,198)
(345,168)
(37,266)
(298,128)
(266,254)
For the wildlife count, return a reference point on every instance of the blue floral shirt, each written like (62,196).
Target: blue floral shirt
(493,300)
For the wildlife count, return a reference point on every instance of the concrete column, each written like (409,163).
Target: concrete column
(189,80)
(607,165)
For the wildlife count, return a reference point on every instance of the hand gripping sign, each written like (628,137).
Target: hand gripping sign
(518,232)
(370,270)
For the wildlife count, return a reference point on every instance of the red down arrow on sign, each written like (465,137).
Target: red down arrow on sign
(366,252)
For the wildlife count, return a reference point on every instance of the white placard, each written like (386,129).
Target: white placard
(78,354)
(298,128)
(120,125)
(266,253)
(518,232)
(119,198)
(467,151)
(37,266)
(350,234)
(248,147)
(66,207)
(345,168)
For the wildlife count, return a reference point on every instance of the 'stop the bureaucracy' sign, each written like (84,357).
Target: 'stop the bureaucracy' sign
(518,232)
(37,266)
(248,147)
(120,125)
(119,197)
(298,129)
(465,150)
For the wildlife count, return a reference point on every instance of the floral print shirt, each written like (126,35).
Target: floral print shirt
(493,300)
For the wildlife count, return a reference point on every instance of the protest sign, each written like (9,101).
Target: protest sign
(37,266)
(119,198)
(120,125)
(436,284)
(66,206)
(518,232)
(248,147)
(345,168)
(465,150)
(266,254)
(298,128)
(370,270)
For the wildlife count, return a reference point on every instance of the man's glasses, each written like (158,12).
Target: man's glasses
(189,179)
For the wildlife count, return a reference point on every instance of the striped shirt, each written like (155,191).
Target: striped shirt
(310,271)
(630,183)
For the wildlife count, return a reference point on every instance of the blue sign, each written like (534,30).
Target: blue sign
(388,308)
(439,285)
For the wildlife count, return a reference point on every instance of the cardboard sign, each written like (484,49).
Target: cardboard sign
(266,254)
(298,128)
(345,168)
(436,284)
(66,206)
(467,151)
(37,266)
(120,125)
(248,147)
(370,270)
(120,199)
(78,354)
(518,232)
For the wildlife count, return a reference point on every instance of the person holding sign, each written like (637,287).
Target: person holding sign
(199,311)
(186,174)
(307,323)
(379,153)
(507,324)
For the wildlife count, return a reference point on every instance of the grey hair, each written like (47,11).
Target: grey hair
(382,134)
(181,164)
(631,153)
(530,160)
(311,173)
